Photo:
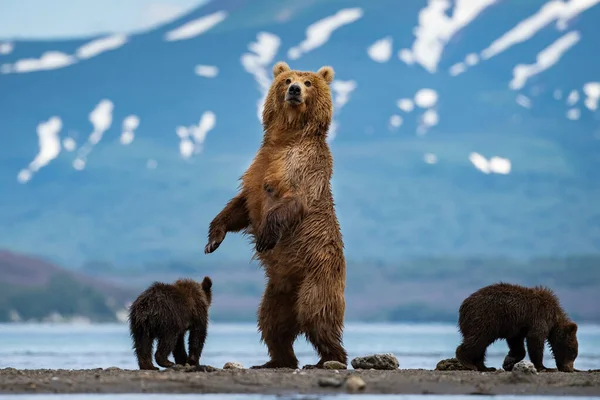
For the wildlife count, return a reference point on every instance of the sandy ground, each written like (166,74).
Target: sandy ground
(114,380)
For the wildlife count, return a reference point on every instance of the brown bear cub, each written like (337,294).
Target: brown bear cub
(166,312)
(516,313)
(286,206)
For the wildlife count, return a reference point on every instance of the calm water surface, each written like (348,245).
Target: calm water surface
(33,346)
(273,397)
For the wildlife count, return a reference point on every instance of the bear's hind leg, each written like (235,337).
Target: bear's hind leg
(142,344)
(321,315)
(516,352)
(196,342)
(179,352)
(166,345)
(471,354)
(278,325)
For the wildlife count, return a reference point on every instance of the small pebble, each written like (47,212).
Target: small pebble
(354,383)
(376,361)
(524,367)
(450,364)
(330,382)
(233,365)
(334,365)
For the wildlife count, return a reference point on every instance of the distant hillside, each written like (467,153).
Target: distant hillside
(32,289)
(421,289)
(462,129)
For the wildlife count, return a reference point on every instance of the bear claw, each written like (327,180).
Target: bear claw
(211,246)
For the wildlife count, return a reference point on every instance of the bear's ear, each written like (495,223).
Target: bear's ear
(571,328)
(326,73)
(280,67)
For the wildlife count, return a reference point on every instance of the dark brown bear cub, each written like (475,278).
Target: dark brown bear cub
(516,313)
(166,312)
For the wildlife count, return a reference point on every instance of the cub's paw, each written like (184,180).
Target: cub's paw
(193,362)
(509,363)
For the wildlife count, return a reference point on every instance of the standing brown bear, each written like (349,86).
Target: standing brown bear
(166,312)
(516,313)
(285,204)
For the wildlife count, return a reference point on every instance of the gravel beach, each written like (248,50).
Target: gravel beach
(400,381)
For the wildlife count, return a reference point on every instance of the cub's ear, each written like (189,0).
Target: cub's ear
(572,328)
(280,67)
(327,73)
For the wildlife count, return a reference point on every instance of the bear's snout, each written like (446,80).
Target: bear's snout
(295,90)
(294,94)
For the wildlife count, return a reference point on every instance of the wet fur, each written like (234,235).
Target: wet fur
(286,207)
(166,312)
(515,313)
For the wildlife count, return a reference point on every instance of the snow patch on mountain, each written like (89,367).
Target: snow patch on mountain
(49,148)
(69,144)
(573,97)
(430,158)
(523,101)
(496,165)
(196,27)
(207,71)
(48,60)
(263,52)
(56,59)
(395,121)
(573,114)
(130,124)
(592,92)
(191,138)
(555,10)
(436,28)
(101,119)
(426,98)
(341,95)
(381,50)
(6,48)
(99,46)
(405,105)
(544,60)
(318,33)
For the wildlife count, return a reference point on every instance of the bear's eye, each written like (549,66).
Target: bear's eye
(288,81)
(307,83)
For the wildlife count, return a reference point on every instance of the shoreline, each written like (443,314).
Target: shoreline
(282,382)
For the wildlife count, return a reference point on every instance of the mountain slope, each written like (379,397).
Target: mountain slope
(408,180)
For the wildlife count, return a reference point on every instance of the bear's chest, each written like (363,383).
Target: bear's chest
(286,170)
(278,173)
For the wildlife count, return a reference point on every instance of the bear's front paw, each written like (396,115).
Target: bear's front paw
(215,238)
(211,246)
(265,242)
(193,362)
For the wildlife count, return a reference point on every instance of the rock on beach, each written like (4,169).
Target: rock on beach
(385,361)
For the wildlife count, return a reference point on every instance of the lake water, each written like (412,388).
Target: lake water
(60,346)
(275,397)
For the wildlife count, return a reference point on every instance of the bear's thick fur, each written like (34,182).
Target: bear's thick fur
(285,204)
(516,313)
(166,312)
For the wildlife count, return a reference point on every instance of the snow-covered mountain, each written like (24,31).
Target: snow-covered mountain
(461,127)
